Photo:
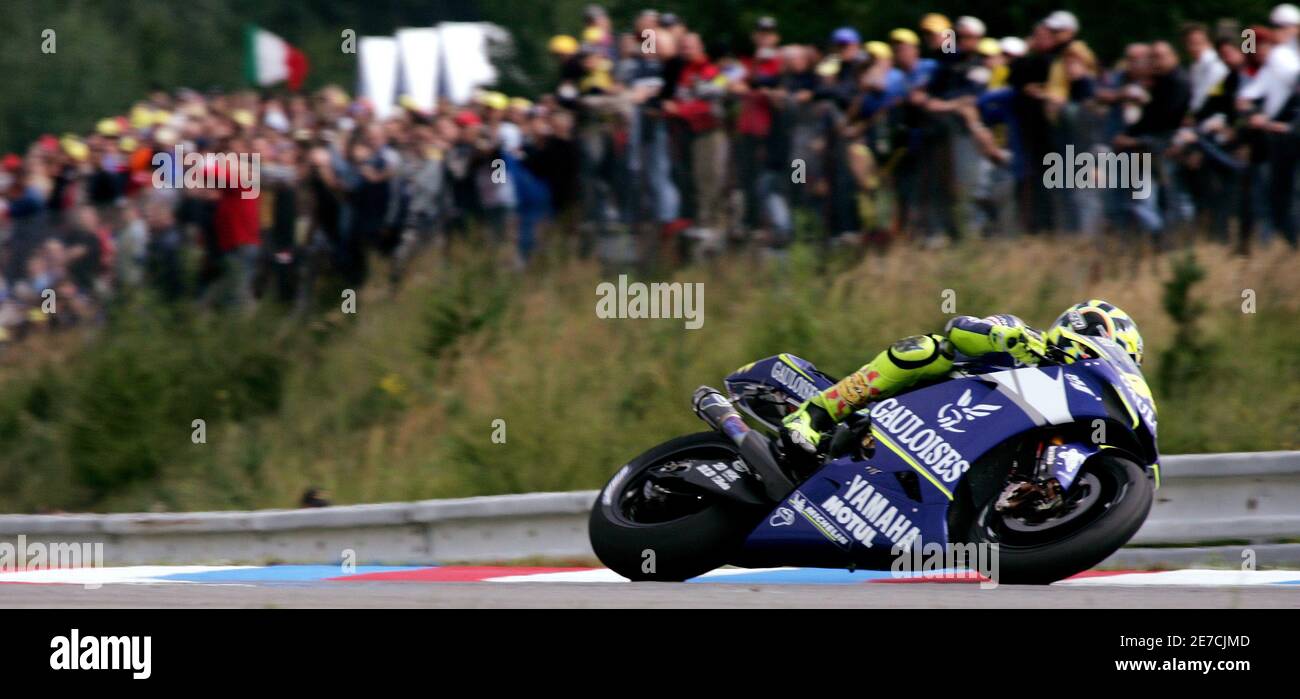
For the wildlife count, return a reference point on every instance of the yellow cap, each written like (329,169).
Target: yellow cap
(989,46)
(407,102)
(108,127)
(74,148)
(878,49)
(593,35)
(828,67)
(520,103)
(494,100)
(243,117)
(597,80)
(562,44)
(905,36)
(935,22)
(141,117)
(161,118)
(127,144)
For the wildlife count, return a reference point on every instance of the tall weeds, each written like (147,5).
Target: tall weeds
(402,400)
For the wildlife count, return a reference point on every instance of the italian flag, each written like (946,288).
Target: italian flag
(269,59)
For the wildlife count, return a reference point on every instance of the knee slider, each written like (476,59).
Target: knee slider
(914,352)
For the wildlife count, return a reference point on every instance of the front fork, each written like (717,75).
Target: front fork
(1056,466)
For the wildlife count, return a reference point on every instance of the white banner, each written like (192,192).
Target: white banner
(377,63)
(465,53)
(418,49)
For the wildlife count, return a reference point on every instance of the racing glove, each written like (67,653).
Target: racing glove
(1023,344)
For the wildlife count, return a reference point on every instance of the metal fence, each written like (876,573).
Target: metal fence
(1205,499)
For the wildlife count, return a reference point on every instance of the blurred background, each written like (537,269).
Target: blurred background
(434,211)
(112,52)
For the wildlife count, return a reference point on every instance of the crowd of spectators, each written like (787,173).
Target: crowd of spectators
(331,190)
(934,133)
(656,145)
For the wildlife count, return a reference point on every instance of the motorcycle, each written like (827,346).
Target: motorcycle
(1055,464)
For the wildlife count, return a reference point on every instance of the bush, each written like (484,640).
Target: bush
(1180,359)
(399,401)
(121,410)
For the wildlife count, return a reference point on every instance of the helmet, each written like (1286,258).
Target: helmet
(562,44)
(1100,319)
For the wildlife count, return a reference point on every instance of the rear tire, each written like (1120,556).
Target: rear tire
(701,539)
(1122,506)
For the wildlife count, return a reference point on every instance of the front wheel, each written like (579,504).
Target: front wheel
(645,526)
(1103,510)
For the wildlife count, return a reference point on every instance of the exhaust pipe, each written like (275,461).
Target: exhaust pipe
(716,411)
(756,450)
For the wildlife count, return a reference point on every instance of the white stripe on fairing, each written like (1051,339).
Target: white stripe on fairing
(1036,388)
(1211,578)
(106,576)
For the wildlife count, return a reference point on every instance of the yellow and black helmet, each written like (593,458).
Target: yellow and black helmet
(1101,319)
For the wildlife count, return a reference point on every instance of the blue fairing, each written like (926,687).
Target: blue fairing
(793,380)
(853,512)
(794,375)
(1066,460)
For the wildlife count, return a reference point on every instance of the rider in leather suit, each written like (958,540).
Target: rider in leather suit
(921,357)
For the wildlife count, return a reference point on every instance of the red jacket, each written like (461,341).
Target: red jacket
(237,220)
(697,112)
(755,117)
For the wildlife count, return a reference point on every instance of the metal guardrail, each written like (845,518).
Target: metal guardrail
(1245,496)
(1205,498)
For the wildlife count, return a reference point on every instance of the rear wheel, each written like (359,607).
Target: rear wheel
(1102,510)
(644,527)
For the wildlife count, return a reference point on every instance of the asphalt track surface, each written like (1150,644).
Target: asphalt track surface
(652,595)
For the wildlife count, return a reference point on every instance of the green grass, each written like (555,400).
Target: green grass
(397,402)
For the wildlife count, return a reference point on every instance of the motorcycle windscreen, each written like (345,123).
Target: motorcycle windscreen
(1098,384)
(1129,382)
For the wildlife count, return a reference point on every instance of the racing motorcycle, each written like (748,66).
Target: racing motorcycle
(1056,464)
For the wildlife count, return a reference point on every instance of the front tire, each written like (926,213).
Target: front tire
(643,532)
(1112,498)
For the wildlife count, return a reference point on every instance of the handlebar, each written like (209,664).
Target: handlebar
(1050,354)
